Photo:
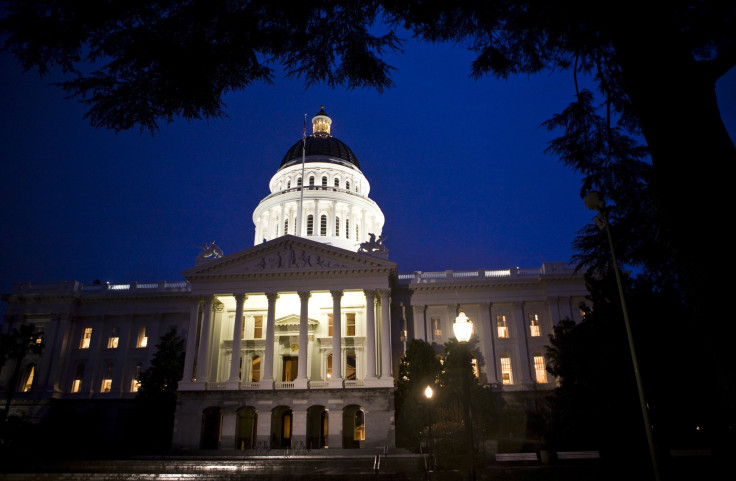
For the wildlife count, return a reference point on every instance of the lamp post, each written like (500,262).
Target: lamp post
(463,329)
(428,394)
(594,201)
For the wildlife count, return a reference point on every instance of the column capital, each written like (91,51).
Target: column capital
(304,295)
(272,296)
(242,297)
(369,292)
(384,293)
(337,294)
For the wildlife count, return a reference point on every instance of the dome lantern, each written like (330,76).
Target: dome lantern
(321,123)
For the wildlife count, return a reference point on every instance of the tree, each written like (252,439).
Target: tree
(15,346)
(156,398)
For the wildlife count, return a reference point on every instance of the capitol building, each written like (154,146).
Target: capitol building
(295,340)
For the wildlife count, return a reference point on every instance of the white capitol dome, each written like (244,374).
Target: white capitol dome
(335,208)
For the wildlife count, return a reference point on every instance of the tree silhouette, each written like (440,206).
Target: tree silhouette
(14,346)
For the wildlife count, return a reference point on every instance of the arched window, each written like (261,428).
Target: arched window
(311,181)
(347,184)
(310,224)
(347,228)
(337,182)
(288,184)
(337,227)
(359,432)
(324,181)
(323,225)
(299,181)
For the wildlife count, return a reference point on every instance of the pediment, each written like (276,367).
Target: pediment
(293,320)
(288,255)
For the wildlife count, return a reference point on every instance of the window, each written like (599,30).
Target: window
(534,325)
(351,366)
(541,369)
(347,184)
(299,181)
(257,327)
(347,228)
(78,376)
(135,383)
(323,225)
(311,181)
(286,226)
(329,325)
(359,432)
(436,327)
(337,182)
(503,328)
(255,369)
(86,337)
(27,379)
(39,335)
(107,380)
(506,375)
(112,341)
(324,181)
(310,224)
(337,227)
(288,184)
(350,324)
(142,338)
(329,366)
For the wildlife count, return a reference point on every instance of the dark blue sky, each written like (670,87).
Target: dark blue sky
(457,166)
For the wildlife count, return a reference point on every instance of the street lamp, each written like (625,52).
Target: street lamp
(463,329)
(428,394)
(594,201)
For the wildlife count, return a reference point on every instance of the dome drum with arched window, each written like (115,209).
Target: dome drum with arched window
(319,192)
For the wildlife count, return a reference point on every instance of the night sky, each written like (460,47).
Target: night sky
(457,166)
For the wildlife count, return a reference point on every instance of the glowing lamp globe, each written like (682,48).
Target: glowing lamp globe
(462,327)
(428,392)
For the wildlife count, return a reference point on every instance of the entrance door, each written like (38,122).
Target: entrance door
(291,368)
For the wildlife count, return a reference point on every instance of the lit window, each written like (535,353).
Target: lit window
(329,325)
(323,225)
(329,366)
(541,369)
(142,338)
(436,327)
(27,380)
(86,337)
(39,335)
(506,374)
(503,328)
(337,227)
(257,327)
(112,341)
(359,432)
(324,181)
(255,369)
(534,325)
(351,366)
(78,376)
(350,324)
(107,380)
(310,224)
(135,383)
(347,228)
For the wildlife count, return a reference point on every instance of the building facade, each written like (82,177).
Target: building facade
(295,341)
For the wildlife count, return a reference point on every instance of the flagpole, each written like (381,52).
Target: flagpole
(301,187)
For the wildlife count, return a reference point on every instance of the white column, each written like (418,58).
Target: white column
(370,333)
(234,381)
(191,354)
(363,227)
(301,377)
(204,342)
(331,226)
(420,331)
(336,380)
(267,379)
(385,333)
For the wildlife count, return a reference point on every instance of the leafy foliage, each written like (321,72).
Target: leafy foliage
(15,345)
